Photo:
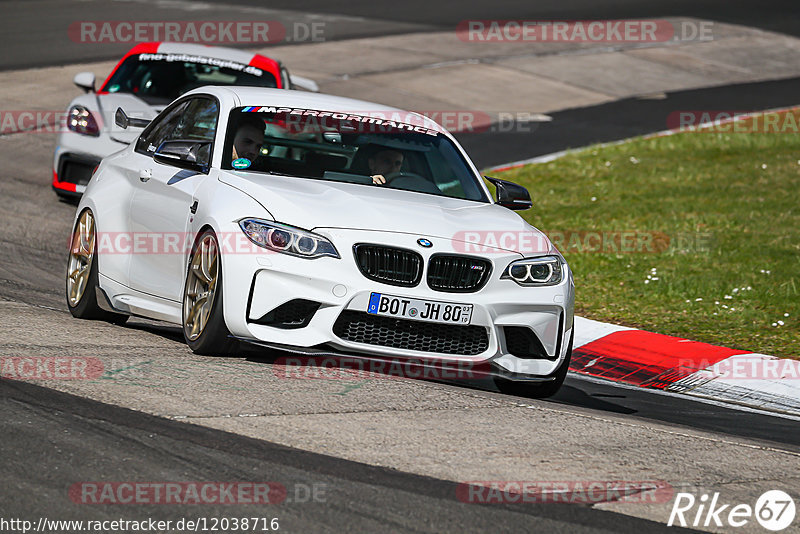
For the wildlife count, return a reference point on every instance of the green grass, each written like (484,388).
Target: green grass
(728,204)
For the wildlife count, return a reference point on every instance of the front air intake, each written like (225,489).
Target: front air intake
(362,327)
(522,342)
(296,313)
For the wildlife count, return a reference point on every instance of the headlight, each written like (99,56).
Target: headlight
(543,271)
(287,239)
(81,120)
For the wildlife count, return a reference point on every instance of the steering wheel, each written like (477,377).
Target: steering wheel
(411,181)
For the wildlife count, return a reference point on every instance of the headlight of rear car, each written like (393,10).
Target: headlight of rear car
(287,239)
(81,120)
(543,271)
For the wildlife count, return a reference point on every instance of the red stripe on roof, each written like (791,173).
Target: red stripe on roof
(267,64)
(142,48)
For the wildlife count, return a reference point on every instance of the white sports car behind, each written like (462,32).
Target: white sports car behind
(320,225)
(147,78)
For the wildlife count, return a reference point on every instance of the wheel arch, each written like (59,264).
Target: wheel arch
(220,207)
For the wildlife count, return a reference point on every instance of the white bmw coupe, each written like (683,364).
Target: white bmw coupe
(320,225)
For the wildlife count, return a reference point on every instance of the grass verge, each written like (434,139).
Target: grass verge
(695,234)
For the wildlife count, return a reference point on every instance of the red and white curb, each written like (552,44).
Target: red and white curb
(676,365)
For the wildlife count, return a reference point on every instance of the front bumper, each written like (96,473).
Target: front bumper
(72,173)
(76,156)
(258,284)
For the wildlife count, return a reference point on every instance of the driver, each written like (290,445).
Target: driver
(384,162)
(248,139)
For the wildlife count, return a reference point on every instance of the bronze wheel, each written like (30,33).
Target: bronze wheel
(82,286)
(81,254)
(203,320)
(201,287)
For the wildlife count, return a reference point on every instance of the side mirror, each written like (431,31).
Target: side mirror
(511,195)
(303,83)
(122,120)
(85,80)
(192,155)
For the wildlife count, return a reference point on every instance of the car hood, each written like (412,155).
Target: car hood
(133,106)
(315,204)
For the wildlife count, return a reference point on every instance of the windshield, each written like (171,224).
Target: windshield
(161,78)
(371,149)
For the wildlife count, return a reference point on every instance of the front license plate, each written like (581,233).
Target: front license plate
(419,310)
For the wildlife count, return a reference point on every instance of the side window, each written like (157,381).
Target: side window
(192,120)
(198,122)
(159,129)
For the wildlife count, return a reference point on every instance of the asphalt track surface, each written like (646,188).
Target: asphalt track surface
(51,439)
(621,119)
(91,441)
(774,15)
(33,33)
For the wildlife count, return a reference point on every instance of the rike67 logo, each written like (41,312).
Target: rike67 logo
(774,510)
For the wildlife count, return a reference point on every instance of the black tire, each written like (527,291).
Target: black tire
(540,390)
(86,306)
(215,338)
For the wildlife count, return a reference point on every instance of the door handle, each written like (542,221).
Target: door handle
(145,175)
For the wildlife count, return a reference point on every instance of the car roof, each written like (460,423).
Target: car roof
(282,98)
(218,52)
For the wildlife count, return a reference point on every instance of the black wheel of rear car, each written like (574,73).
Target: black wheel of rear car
(540,390)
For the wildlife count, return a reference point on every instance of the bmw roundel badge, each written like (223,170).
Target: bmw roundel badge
(424,242)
